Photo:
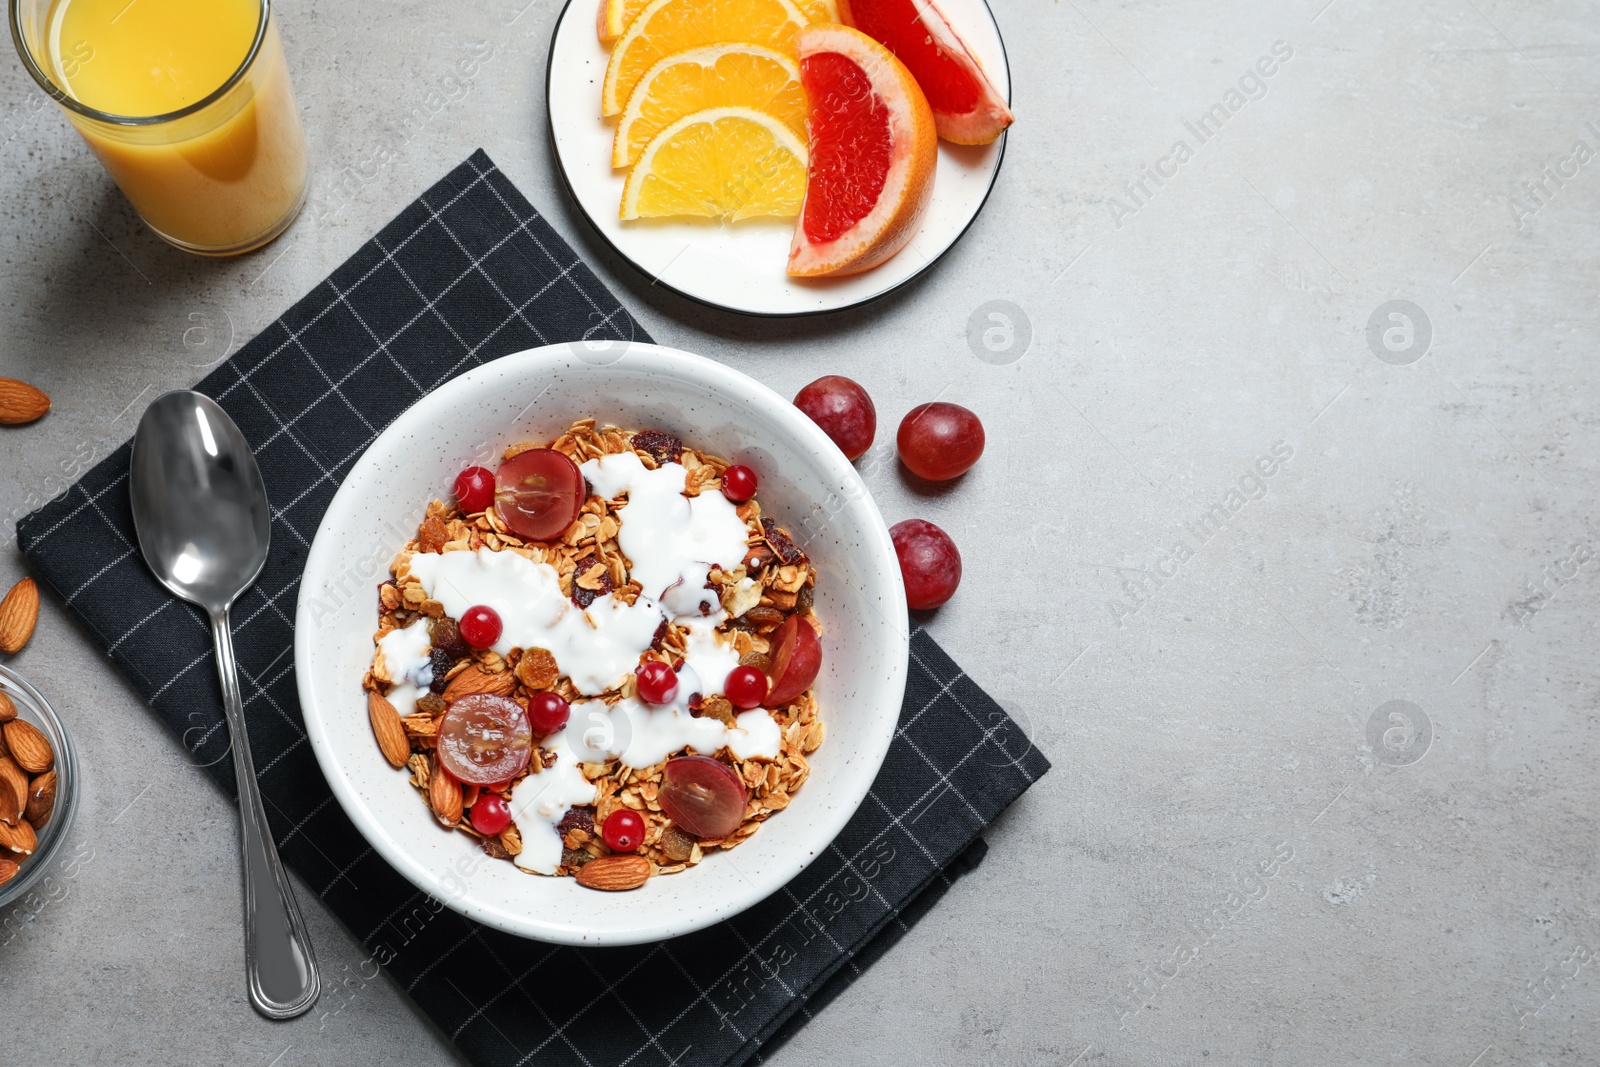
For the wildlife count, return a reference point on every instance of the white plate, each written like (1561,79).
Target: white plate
(741,268)
(806,484)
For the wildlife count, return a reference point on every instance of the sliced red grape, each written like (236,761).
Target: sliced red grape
(703,796)
(796,659)
(485,739)
(939,441)
(539,493)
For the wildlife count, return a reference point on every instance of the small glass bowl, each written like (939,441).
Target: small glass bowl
(34,708)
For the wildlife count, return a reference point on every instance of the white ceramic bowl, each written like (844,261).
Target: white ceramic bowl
(806,484)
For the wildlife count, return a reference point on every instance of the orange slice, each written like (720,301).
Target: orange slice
(721,75)
(967,108)
(668,26)
(873,149)
(722,163)
(616,14)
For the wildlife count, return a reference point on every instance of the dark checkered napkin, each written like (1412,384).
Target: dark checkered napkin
(468,273)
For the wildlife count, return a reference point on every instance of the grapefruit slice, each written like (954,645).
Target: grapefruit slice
(873,149)
(722,163)
(967,108)
(616,14)
(719,75)
(668,26)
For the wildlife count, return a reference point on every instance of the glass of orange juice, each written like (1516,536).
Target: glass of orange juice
(187,104)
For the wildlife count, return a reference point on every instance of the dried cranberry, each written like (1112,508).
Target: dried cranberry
(660,638)
(584,597)
(663,447)
(780,544)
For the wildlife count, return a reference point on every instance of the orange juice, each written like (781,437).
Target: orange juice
(212,171)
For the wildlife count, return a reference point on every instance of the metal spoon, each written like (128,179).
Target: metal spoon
(200,508)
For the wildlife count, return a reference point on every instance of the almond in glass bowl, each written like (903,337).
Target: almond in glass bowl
(38,786)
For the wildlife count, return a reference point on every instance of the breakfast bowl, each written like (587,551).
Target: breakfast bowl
(50,838)
(807,486)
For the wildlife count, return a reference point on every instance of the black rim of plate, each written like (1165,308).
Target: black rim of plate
(566,182)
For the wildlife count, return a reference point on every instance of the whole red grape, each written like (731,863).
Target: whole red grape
(929,562)
(940,441)
(844,411)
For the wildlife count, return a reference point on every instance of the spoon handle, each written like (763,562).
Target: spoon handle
(277,952)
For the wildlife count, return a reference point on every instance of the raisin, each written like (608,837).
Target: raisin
(678,845)
(574,858)
(494,848)
(759,660)
(431,704)
(575,819)
(442,663)
(433,534)
(763,617)
(804,601)
(584,597)
(445,636)
(663,447)
(780,544)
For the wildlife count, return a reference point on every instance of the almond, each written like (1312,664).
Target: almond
(387,729)
(444,796)
(476,680)
(8,871)
(8,710)
(615,873)
(41,799)
(28,746)
(19,838)
(13,790)
(18,613)
(20,402)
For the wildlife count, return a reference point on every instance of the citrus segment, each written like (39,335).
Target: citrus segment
(668,26)
(724,75)
(616,14)
(722,163)
(872,147)
(967,108)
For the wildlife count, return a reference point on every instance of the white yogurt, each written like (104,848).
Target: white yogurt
(668,537)
(596,647)
(406,663)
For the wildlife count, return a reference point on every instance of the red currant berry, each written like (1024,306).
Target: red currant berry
(547,712)
(745,688)
(475,490)
(739,483)
(490,815)
(480,626)
(623,831)
(658,683)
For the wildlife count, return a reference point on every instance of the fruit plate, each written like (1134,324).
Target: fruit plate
(806,483)
(741,267)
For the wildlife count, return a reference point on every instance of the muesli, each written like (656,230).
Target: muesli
(597,660)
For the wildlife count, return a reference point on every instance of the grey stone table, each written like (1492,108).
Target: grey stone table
(1236,501)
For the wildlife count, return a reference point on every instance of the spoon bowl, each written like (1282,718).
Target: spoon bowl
(199,503)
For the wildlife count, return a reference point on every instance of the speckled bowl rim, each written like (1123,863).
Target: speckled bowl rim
(644,919)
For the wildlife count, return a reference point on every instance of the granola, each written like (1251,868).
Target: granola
(620,610)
